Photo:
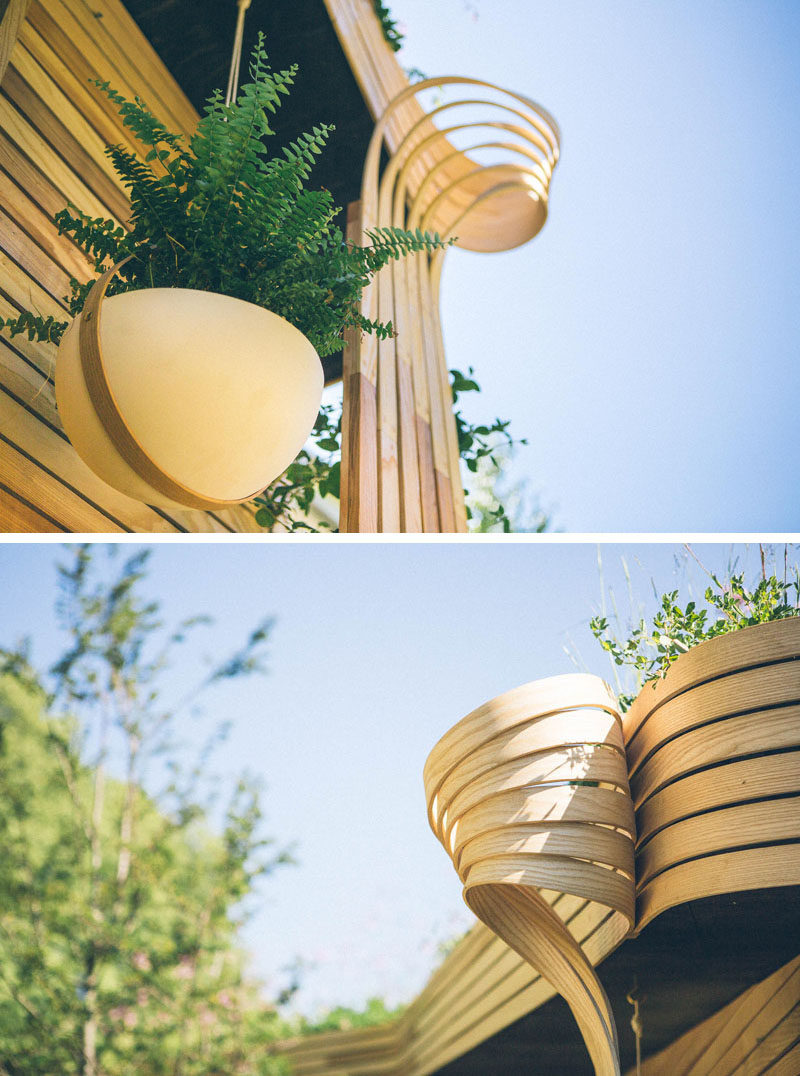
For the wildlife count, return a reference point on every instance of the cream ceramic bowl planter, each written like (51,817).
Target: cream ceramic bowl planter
(182,398)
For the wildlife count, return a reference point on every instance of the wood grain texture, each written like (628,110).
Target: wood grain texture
(714,762)
(359,497)
(17,517)
(53,129)
(11,20)
(429,184)
(576,836)
(714,770)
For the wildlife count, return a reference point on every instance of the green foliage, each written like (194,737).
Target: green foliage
(389,26)
(224,216)
(650,649)
(288,500)
(496,505)
(119,908)
(374,1013)
(482,442)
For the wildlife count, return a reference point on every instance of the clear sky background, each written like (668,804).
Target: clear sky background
(377,651)
(646,342)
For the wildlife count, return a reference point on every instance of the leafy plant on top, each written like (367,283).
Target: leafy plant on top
(224,216)
(392,36)
(650,649)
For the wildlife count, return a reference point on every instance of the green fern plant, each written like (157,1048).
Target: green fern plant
(223,215)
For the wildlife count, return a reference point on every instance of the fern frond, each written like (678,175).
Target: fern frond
(46,330)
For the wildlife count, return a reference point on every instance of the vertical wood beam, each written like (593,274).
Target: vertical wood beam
(12,14)
(359,479)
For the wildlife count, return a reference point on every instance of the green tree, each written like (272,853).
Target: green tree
(119,906)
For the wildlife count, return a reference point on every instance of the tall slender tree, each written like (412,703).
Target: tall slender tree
(119,900)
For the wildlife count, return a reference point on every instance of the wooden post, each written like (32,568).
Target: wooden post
(359,492)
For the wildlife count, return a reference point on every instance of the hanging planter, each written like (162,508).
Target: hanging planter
(196,382)
(179,397)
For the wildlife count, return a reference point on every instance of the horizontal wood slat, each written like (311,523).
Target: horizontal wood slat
(13,15)
(54,127)
(16,517)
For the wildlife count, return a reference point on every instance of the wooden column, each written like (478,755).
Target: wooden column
(359,483)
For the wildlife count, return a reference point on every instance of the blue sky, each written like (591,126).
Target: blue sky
(646,342)
(377,651)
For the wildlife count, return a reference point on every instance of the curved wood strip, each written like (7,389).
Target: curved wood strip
(729,872)
(514,840)
(749,824)
(111,417)
(745,692)
(748,779)
(428,184)
(708,752)
(721,742)
(748,648)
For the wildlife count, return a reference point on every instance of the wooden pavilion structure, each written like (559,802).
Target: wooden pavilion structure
(477,166)
(661,847)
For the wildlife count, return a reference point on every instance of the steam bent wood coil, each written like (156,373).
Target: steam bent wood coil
(529,796)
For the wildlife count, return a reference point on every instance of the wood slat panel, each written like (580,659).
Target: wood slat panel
(54,127)
(40,228)
(16,517)
(10,22)
(729,1042)
(52,450)
(720,817)
(72,186)
(30,481)
(68,148)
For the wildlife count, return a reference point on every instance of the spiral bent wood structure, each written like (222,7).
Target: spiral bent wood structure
(477,166)
(714,761)
(529,796)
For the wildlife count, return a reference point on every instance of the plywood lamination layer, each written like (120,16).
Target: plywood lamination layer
(54,126)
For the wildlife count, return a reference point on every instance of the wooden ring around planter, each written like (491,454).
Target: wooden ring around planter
(108,412)
(185,398)
(529,797)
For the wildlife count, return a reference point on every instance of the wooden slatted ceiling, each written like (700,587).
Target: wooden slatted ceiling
(759,1032)
(53,128)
